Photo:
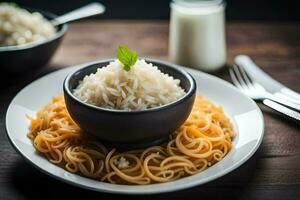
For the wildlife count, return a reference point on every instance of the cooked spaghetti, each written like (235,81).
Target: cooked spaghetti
(204,139)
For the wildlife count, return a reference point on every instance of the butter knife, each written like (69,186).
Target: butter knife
(282,109)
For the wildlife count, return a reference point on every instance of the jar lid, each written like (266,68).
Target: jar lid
(193,3)
(194,6)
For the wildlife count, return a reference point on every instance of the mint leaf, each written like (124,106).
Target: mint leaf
(127,57)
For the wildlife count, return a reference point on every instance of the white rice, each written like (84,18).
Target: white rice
(144,86)
(18,26)
(122,163)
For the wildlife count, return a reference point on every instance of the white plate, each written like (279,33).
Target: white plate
(243,112)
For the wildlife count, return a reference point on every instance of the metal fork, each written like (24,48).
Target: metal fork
(276,88)
(257,92)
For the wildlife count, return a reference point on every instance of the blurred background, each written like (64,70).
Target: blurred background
(271,10)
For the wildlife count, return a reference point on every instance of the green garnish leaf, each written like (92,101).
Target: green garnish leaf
(127,57)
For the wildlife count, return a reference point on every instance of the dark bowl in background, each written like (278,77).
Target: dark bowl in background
(22,58)
(130,129)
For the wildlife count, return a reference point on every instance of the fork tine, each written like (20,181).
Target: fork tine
(239,77)
(249,81)
(234,79)
(245,75)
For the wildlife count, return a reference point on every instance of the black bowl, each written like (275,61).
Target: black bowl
(130,129)
(21,58)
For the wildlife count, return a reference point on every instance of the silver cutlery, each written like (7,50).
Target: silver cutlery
(89,10)
(266,81)
(254,90)
(282,109)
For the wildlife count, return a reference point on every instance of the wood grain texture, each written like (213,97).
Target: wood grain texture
(272,173)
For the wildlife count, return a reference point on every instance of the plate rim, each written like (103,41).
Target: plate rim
(145,191)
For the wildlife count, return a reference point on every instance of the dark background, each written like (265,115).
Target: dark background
(273,10)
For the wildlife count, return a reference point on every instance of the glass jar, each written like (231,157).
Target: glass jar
(197,34)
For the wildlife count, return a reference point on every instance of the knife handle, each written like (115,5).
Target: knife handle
(282,109)
(250,66)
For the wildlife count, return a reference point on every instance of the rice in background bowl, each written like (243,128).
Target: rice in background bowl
(18,26)
(143,87)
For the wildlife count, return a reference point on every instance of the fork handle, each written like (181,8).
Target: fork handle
(287,98)
(291,93)
(283,101)
(282,109)
(89,10)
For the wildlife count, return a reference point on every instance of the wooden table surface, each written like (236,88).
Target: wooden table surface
(272,173)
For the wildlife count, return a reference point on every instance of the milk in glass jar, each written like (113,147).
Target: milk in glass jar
(197,34)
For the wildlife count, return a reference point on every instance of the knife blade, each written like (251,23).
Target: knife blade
(282,109)
(265,80)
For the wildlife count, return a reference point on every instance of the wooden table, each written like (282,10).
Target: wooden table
(272,173)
